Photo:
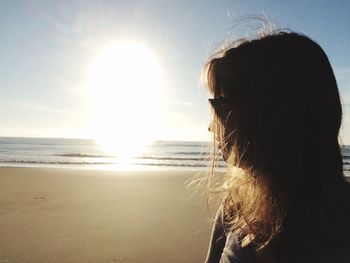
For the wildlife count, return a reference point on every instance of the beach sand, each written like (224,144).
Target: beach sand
(80,215)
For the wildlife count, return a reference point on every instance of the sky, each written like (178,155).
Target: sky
(49,47)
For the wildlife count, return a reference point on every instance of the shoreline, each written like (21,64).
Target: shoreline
(111,167)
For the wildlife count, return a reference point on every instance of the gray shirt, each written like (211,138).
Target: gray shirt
(224,247)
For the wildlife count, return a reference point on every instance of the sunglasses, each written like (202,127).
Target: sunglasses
(223,103)
(222,106)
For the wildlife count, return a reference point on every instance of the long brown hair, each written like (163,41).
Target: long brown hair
(277,115)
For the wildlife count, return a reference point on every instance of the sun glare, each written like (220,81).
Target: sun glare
(125,89)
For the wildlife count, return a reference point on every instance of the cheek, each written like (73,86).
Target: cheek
(222,145)
(225,142)
(222,137)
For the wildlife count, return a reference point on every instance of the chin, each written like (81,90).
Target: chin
(225,157)
(224,154)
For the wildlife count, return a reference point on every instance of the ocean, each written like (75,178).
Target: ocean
(86,153)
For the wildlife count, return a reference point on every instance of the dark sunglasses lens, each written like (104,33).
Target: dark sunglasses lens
(220,106)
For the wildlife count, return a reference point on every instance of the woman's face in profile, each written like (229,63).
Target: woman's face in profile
(223,112)
(213,128)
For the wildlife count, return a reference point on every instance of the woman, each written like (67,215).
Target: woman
(277,115)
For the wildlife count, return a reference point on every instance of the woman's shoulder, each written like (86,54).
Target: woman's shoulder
(335,212)
(324,254)
(334,244)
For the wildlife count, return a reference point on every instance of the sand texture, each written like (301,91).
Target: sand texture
(71,215)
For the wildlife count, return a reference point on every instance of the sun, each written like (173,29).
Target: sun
(125,87)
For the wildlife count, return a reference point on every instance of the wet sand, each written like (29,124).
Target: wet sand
(79,215)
